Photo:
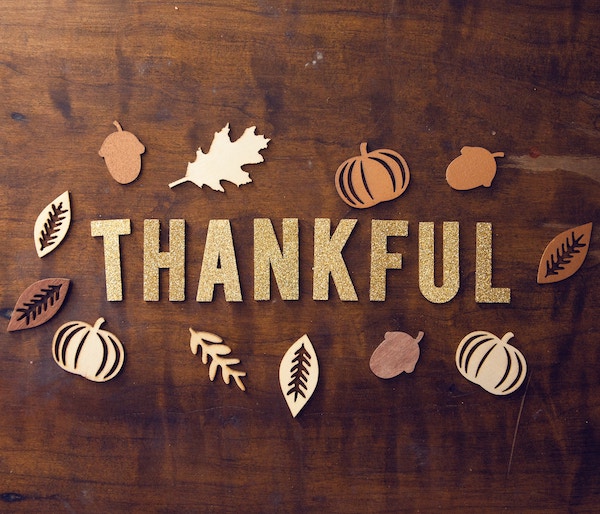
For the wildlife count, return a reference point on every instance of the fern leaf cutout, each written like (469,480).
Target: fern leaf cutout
(211,345)
(565,254)
(298,374)
(52,224)
(38,303)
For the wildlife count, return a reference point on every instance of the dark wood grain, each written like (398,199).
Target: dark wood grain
(318,78)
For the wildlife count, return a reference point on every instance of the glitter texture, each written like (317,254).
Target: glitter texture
(381,260)
(450,262)
(328,260)
(110,230)
(173,260)
(219,249)
(484,292)
(285,263)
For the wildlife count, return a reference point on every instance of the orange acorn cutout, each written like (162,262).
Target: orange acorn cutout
(475,167)
(372,178)
(122,153)
(398,353)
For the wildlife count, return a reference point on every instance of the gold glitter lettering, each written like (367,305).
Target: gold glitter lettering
(381,260)
(285,263)
(173,260)
(110,230)
(328,260)
(219,265)
(484,292)
(450,262)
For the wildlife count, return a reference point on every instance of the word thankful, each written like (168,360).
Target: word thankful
(219,264)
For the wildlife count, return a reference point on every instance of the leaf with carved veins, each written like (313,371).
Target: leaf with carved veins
(225,159)
(211,345)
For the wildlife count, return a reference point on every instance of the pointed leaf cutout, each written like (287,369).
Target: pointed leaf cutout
(565,254)
(225,159)
(212,345)
(298,374)
(38,303)
(52,224)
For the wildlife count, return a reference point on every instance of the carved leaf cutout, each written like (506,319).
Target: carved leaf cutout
(225,159)
(565,254)
(211,345)
(298,374)
(52,224)
(38,303)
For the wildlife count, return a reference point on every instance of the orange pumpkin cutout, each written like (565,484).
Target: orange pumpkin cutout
(473,168)
(372,178)
(122,152)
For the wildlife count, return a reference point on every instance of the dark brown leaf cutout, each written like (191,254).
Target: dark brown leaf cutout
(38,303)
(565,254)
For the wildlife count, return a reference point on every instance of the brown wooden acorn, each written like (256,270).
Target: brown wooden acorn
(122,152)
(475,167)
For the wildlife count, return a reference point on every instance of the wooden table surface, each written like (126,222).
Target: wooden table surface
(318,78)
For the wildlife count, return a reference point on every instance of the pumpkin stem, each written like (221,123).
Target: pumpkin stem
(419,336)
(507,337)
(498,154)
(363,149)
(99,322)
(118,125)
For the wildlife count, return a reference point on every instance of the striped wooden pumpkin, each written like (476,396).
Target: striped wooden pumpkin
(490,362)
(372,177)
(86,350)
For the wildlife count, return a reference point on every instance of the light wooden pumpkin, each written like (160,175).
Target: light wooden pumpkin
(86,350)
(372,177)
(490,362)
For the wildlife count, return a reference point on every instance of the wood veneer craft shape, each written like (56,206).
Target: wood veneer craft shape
(299,374)
(122,152)
(372,177)
(52,224)
(565,254)
(398,353)
(38,303)
(491,362)
(86,350)
(224,160)
(211,345)
(475,167)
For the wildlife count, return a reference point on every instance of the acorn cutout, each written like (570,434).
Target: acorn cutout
(398,353)
(475,167)
(122,153)
(372,177)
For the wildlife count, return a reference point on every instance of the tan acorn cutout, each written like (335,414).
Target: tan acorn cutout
(38,303)
(399,352)
(372,178)
(52,224)
(224,160)
(299,374)
(475,167)
(490,362)
(211,345)
(565,254)
(86,350)
(122,152)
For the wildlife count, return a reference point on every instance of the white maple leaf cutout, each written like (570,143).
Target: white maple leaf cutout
(225,159)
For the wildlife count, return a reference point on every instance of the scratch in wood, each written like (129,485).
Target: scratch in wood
(514,441)
(587,166)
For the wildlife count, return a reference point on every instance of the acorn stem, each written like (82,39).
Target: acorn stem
(118,125)
(363,149)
